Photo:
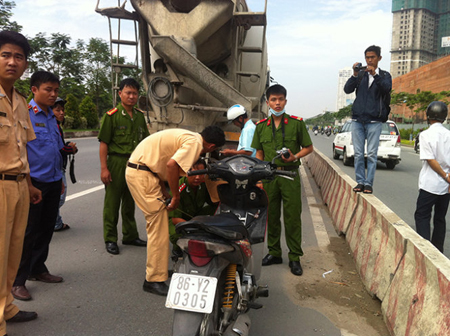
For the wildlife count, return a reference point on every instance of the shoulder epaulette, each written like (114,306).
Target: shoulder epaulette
(296,118)
(111,112)
(182,187)
(261,121)
(139,110)
(34,108)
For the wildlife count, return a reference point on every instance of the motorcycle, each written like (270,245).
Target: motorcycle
(316,132)
(214,283)
(417,144)
(328,132)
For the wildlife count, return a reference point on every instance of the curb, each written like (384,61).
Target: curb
(406,272)
(80,134)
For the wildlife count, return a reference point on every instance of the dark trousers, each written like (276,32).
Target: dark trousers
(39,232)
(422,216)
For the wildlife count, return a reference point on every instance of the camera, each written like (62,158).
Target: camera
(284,152)
(359,67)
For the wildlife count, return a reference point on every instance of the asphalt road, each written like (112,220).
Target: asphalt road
(397,188)
(102,294)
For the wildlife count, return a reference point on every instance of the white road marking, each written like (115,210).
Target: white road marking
(82,193)
(319,228)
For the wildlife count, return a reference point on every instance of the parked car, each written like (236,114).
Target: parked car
(389,149)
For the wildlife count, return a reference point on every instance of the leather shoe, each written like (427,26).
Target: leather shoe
(270,260)
(46,277)
(296,267)
(23,316)
(136,242)
(158,288)
(20,293)
(112,248)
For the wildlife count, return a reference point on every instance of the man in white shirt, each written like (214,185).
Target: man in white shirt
(434,178)
(237,114)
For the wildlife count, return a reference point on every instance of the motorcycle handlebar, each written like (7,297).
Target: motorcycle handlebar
(197,172)
(286,173)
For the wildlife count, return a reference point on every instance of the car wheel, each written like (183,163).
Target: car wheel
(347,161)
(390,164)
(336,155)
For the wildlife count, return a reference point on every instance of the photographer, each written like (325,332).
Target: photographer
(369,111)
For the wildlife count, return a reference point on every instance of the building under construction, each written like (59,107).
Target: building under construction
(420,33)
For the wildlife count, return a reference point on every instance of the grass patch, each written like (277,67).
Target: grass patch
(407,142)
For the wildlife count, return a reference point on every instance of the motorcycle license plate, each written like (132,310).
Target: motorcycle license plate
(192,293)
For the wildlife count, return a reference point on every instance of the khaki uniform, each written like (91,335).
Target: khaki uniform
(15,132)
(154,152)
(291,133)
(122,134)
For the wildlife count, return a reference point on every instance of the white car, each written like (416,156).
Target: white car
(389,149)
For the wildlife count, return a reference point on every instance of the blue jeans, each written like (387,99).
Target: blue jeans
(62,200)
(361,132)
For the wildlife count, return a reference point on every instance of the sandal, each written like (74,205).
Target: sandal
(62,228)
(368,189)
(358,188)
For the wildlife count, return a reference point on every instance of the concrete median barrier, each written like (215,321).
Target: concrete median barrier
(336,188)
(407,273)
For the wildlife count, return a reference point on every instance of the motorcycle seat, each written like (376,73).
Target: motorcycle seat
(224,225)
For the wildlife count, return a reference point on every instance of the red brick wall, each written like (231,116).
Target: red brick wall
(434,77)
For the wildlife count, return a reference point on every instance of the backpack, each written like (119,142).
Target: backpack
(384,99)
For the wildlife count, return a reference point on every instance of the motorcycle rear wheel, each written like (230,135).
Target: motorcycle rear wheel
(190,323)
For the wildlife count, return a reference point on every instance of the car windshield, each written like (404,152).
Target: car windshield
(389,128)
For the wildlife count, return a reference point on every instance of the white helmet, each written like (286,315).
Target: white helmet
(235,111)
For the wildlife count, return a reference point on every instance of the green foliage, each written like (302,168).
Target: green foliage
(6,8)
(73,119)
(98,73)
(405,133)
(88,110)
(419,101)
(329,118)
(23,85)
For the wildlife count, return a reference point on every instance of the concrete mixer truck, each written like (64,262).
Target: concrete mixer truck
(198,57)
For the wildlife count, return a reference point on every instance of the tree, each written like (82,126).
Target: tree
(98,66)
(344,112)
(5,16)
(73,118)
(55,55)
(88,110)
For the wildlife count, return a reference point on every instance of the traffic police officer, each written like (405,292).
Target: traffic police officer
(274,133)
(194,201)
(16,190)
(121,131)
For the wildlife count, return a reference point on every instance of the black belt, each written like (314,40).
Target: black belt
(140,167)
(287,168)
(18,178)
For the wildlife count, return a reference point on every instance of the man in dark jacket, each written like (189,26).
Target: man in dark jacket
(369,111)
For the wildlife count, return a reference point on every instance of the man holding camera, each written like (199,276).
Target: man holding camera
(286,133)
(369,111)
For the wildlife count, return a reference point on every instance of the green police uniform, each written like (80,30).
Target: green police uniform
(291,133)
(122,134)
(192,203)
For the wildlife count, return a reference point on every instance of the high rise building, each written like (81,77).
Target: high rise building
(344,99)
(420,33)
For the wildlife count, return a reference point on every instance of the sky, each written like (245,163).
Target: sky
(309,41)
